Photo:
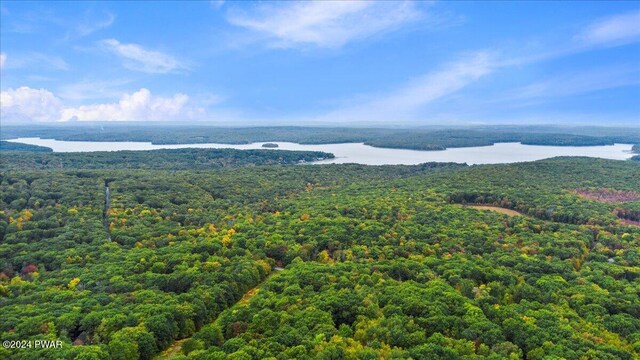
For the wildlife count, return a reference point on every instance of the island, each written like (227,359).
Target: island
(270,145)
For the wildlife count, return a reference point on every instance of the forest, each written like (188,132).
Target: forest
(11,146)
(173,159)
(210,254)
(428,138)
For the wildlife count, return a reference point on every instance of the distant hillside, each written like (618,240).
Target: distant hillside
(417,139)
(11,146)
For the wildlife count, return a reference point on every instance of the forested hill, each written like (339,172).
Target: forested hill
(636,150)
(323,262)
(174,159)
(432,138)
(11,146)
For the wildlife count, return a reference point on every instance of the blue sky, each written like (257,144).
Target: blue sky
(384,63)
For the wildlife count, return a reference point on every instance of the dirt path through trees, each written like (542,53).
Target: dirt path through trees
(176,348)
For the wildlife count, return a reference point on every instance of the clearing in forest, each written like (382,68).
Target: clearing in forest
(608,195)
(501,210)
(630,222)
(172,351)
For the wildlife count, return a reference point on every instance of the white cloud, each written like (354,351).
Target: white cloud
(139,106)
(325,23)
(36,61)
(406,101)
(579,83)
(27,104)
(139,59)
(616,30)
(3,59)
(216,4)
(92,89)
(90,26)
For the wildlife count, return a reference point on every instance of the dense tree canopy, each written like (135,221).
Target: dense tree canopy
(175,159)
(326,261)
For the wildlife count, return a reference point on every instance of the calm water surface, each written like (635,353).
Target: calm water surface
(363,154)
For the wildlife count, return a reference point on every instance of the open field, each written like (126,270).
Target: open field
(500,210)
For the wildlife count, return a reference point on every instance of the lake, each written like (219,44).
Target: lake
(359,153)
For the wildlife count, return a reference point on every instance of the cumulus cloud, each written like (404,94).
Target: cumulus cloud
(324,23)
(614,30)
(26,104)
(139,106)
(137,58)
